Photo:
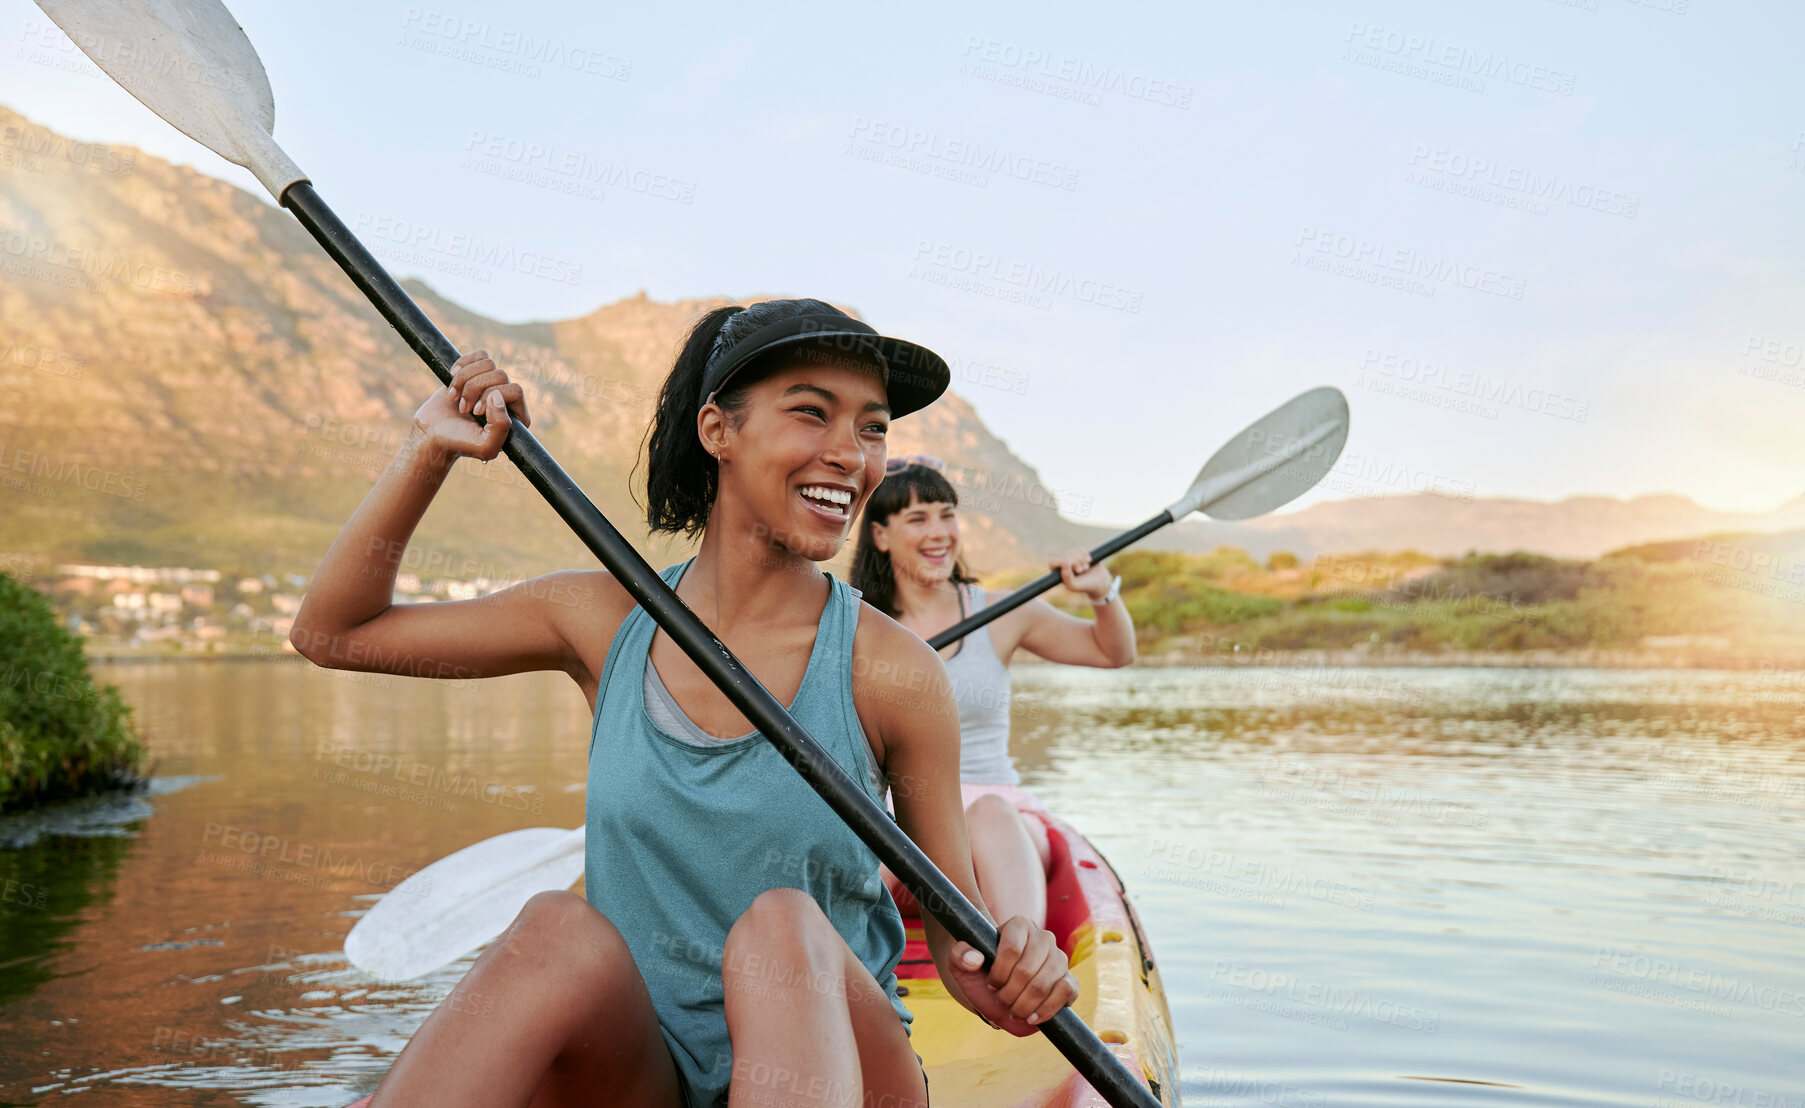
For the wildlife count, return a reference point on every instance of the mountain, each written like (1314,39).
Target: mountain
(190,381)
(1576,527)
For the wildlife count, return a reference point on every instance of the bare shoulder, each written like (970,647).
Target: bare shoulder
(1009,629)
(895,676)
(595,604)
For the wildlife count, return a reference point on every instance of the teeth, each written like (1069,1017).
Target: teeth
(833,496)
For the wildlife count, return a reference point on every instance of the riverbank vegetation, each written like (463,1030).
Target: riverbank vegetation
(1715,593)
(61,734)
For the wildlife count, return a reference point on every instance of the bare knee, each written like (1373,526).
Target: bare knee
(777,918)
(991,814)
(782,944)
(559,938)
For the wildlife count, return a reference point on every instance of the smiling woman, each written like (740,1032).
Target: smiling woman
(812,342)
(729,919)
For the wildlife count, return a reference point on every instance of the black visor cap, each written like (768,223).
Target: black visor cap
(914,376)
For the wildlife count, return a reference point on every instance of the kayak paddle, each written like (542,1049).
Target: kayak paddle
(409,934)
(208,82)
(1272,462)
(427,922)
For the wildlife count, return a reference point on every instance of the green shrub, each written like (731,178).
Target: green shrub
(60,734)
(1191,605)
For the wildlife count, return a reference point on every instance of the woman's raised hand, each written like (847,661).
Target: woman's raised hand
(1079,575)
(1028,983)
(477,388)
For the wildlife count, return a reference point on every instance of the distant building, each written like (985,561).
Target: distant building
(197,596)
(172,575)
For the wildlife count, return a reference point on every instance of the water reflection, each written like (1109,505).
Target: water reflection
(1387,886)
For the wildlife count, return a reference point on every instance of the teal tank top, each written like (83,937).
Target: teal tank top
(682,837)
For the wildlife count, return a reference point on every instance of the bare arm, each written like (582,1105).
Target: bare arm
(1107,641)
(347,620)
(919,723)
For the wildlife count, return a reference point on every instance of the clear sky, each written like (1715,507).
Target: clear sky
(1545,247)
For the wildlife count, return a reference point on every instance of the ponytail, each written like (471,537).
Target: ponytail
(681,475)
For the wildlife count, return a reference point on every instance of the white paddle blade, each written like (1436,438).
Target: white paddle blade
(190,62)
(462,901)
(1276,460)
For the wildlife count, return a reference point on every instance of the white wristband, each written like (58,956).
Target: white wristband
(1115,587)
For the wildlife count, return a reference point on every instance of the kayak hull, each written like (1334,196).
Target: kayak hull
(1121,998)
(1120,995)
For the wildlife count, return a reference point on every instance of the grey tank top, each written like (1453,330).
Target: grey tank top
(669,715)
(980,684)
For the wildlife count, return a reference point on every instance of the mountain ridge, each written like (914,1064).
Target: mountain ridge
(199,384)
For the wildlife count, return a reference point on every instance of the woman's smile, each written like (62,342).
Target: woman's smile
(830,502)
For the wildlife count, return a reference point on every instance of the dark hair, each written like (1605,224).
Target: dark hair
(682,477)
(872,573)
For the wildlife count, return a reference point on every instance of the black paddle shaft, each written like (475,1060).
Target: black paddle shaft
(937,895)
(1044,582)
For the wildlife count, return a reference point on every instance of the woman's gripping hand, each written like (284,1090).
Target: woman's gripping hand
(478,388)
(1028,982)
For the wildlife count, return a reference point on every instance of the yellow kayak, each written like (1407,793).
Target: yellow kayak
(970,1065)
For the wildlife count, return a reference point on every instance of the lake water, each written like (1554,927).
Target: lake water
(1364,887)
